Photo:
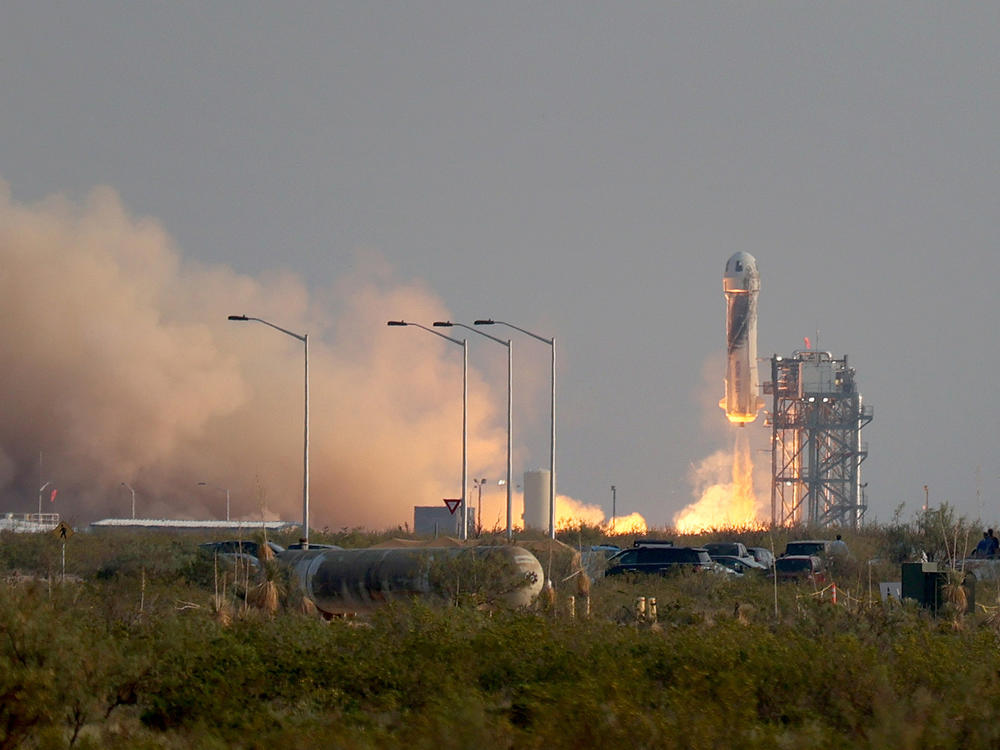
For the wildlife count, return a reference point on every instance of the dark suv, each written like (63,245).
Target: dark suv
(800,568)
(818,547)
(244,551)
(659,559)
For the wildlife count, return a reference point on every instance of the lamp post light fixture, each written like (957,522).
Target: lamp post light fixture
(220,489)
(552,442)
(464,535)
(304,338)
(127,486)
(510,409)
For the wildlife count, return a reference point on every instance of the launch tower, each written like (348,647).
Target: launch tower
(816,449)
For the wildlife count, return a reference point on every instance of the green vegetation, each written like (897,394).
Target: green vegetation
(152,644)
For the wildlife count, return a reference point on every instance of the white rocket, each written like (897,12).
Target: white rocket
(741,284)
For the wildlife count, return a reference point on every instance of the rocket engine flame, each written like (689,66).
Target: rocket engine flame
(723,504)
(570,513)
(633,523)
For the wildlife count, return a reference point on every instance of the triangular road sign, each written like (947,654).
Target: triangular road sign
(452,504)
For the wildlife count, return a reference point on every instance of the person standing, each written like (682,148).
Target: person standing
(838,548)
(983,548)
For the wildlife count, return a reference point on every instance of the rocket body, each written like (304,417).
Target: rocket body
(741,284)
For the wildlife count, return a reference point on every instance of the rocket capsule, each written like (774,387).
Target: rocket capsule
(741,284)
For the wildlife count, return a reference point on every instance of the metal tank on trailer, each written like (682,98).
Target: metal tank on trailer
(344,581)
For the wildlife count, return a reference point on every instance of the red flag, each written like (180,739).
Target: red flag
(52,497)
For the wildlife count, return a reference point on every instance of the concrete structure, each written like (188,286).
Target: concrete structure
(437,520)
(537,507)
(816,448)
(28,523)
(166,523)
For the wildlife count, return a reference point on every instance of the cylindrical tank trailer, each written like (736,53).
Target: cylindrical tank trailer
(344,581)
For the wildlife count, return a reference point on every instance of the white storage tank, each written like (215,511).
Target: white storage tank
(536,499)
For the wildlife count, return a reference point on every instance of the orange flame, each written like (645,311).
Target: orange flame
(571,513)
(633,523)
(723,504)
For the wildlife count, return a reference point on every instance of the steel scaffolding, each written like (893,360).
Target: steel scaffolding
(816,450)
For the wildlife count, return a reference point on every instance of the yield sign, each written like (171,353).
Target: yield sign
(452,503)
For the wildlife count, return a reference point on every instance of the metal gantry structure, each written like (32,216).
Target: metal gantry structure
(816,449)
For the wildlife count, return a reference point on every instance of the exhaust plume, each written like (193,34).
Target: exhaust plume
(118,365)
(724,487)
(724,483)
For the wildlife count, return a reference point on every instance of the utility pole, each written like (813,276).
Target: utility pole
(614,499)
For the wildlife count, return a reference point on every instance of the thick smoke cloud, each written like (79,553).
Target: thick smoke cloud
(118,365)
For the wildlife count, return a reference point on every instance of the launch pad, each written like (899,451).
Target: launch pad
(816,449)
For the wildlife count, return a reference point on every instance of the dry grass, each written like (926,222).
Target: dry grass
(222,611)
(265,553)
(547,596)
(265,596)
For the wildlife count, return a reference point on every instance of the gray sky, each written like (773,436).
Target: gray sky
(581,169)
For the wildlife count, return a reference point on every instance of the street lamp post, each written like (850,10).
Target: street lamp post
(614,499)
(510,409)
(304,338)
(41,475)
(464,534)
(129,488)
(40,491)
(220,489)
(478,484)
(552,443)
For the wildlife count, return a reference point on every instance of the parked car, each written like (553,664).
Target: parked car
(242,550)
(653,542)
(762,555)
(818,547)
(658,558)
(238,546)
(800,568)
(607,549)
(741,565)
(733,549)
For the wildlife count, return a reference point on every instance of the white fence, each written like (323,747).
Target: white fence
(29,523)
